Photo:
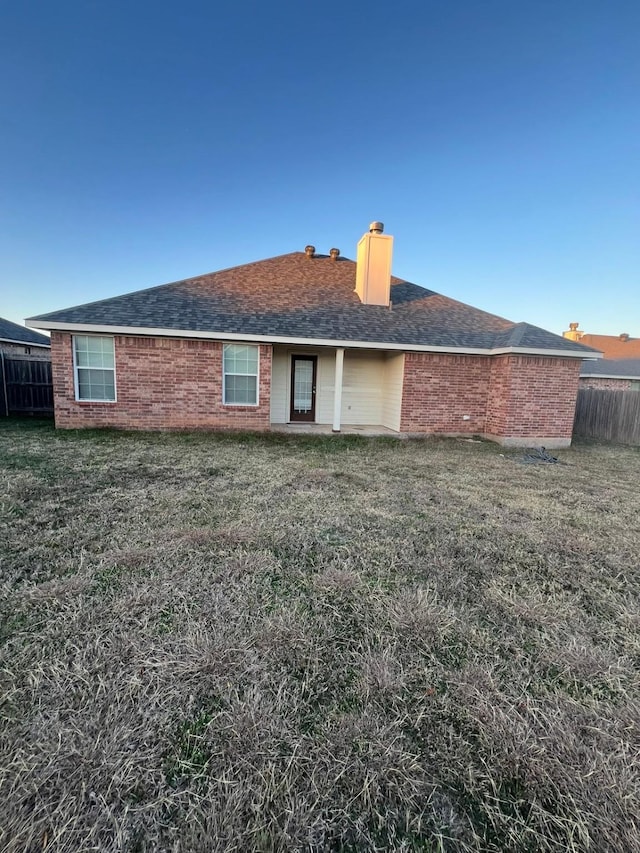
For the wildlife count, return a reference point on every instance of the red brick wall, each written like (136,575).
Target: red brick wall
(176,383)
(507,397)
(161,383)
(532,397)
(599,382)
(439,389)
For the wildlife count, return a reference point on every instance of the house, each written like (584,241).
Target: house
(307,338)
(621,346)
(18,340)
(616,374)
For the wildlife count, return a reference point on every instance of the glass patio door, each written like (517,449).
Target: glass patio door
(303,388)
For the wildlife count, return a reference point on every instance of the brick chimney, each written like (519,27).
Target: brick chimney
(373,270)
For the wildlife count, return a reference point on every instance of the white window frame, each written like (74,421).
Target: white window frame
(76,368)
(256,374)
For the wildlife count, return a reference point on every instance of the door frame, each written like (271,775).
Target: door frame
(309,417)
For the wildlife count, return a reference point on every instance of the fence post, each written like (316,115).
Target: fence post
(5,396)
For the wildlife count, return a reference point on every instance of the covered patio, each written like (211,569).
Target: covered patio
(329,389)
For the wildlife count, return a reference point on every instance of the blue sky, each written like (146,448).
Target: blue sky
(498,141)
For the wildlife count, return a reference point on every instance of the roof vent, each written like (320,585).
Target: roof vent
(376,228)
(624,336)
(334,254)
(309,251)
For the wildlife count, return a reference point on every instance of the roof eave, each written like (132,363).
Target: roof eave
(632,377)
(298,341)
(590,356)
(24,343)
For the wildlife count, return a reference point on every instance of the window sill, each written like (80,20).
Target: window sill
(235,406)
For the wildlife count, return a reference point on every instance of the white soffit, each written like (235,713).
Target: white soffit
(319,342)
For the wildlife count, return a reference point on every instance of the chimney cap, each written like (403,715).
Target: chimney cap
(573,326)
(376,228)
(309,251)
(334,254)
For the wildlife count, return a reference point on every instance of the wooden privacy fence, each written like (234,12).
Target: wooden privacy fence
(25,385)
(609,415)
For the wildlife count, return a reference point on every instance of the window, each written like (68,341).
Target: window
(94,363)
(240,375)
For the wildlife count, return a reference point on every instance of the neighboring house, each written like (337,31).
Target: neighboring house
(25,371)
(618,374)
(308,338)
(18,340)
(617,347)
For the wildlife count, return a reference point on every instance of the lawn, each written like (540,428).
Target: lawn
(241,643)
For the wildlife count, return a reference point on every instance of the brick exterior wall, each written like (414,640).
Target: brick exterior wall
(161,383)
(600,383)
(32,350)
(514,399)
(532,397)
(439,390)
(176,383)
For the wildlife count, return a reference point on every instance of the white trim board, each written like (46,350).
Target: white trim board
(319,342)
(635,378)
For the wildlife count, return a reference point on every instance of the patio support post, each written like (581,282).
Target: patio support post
(337,389)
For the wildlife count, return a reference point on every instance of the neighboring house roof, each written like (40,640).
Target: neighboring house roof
(294,298)
(14,333)
(612,368)
(613,346)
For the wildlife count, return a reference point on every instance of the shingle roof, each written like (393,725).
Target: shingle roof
(613,346)
(294,296)
(623,367)
(19,334)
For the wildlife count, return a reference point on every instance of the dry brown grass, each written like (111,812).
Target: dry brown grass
(216,643)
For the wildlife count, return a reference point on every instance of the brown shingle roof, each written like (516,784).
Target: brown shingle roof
(613,346)
(293,296)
